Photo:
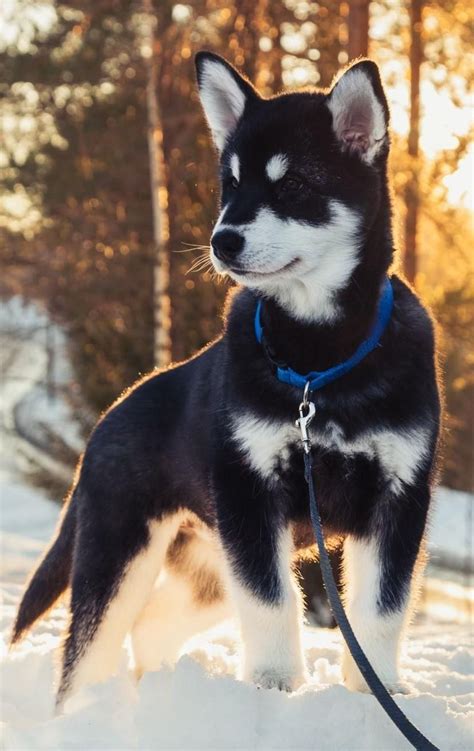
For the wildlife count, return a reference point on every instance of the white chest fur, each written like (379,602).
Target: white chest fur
(266,444)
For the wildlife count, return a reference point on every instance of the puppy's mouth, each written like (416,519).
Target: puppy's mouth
(240,271)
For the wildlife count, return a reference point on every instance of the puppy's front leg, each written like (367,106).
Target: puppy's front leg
(258,545)
(378,577)
(270,612)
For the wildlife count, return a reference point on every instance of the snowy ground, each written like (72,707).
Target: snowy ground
(200,704)
(27,517)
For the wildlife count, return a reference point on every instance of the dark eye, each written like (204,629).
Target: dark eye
(230,182)
(290,184)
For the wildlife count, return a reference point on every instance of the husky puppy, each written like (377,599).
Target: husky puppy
(190,497)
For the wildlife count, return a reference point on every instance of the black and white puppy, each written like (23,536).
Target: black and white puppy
(190,497)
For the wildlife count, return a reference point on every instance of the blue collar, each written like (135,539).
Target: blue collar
(318,379)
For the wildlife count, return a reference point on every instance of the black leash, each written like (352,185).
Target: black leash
(399,719)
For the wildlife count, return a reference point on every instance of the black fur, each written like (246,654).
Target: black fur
(168,442)
(51,577)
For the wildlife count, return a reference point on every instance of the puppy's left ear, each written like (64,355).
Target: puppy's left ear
(224,94)
(359,109)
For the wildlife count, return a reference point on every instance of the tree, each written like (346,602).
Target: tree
(330,51)
(358,27)
(412,186)
(159,196)
(90,253)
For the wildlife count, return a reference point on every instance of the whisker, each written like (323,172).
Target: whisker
(185,243)
(202,257)
(200,263)
(193,247)
(197,267)
(201,270)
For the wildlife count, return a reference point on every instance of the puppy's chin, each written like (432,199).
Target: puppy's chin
(257,281)
(219,267)
(259,277)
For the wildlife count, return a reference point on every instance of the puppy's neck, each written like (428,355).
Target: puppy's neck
(341,318)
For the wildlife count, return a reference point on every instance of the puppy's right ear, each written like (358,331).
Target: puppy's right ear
(359,111)
(224,94)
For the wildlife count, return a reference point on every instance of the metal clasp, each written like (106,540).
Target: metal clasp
(306,410)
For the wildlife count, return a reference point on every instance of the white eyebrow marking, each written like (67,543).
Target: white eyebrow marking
(235,166)
(276,167)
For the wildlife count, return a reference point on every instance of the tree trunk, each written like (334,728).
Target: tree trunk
(358,27)
(412,200)
(159,202)
(329,21)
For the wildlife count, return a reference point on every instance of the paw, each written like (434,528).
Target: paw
(397,687)
(281,679)
(387,671)
(354,682)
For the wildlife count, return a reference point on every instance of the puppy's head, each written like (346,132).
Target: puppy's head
(300,181)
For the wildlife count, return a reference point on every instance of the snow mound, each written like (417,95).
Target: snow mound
(200,705)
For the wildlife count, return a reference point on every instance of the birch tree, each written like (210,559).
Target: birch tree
(159,196)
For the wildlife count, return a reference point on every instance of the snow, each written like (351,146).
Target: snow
(452,529)
(27,522)
(199,704)
(27,516)
(25,334)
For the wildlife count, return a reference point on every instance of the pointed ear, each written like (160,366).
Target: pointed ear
(359,109)
(224,94)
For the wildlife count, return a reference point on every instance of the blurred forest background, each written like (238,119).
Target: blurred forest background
(108,174)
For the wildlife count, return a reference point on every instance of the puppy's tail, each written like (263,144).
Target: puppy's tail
(51,577)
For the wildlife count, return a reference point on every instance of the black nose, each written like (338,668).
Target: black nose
(227,244)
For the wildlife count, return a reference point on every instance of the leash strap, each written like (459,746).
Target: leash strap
(411,733)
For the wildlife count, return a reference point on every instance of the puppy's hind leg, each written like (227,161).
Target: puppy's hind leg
(110,586)
(188,599)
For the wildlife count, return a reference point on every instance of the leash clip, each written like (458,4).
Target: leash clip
(307,410)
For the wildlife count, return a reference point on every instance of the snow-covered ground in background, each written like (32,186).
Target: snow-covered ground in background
(200,704)
(27,516)
(26,334)
(451,537)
